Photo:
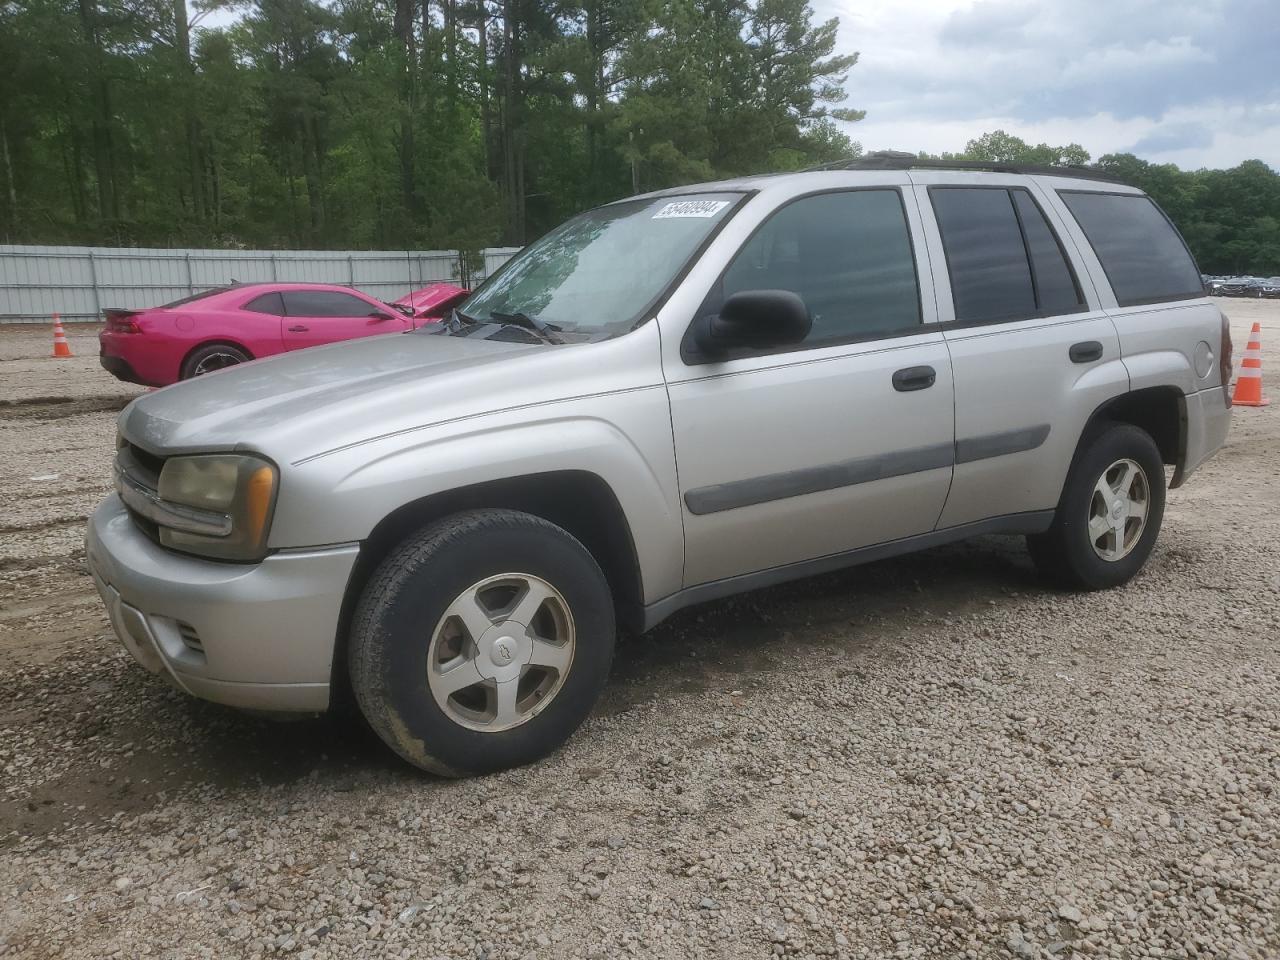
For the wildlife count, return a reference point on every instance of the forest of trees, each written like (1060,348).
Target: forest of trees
(451,123)
(392,123)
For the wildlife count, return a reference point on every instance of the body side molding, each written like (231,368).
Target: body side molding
(1001,444)
(796,483)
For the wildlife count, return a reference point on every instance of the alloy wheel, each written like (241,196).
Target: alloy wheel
(215,361)
(1118,510)
(501,652)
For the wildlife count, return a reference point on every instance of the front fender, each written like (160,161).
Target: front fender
(624,439)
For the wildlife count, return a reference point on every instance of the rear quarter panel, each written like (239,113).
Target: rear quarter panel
(1161,342)
(259,333)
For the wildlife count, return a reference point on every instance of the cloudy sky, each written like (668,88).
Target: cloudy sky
(1192,82)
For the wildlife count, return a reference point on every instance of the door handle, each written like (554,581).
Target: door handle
(1086,351)
(298,328)
(914,378)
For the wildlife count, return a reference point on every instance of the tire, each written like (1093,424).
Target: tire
(211,357)
(1067,552)
(404,629)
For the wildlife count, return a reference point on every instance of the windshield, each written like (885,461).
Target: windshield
(594,276)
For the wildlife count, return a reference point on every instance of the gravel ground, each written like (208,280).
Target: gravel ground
(933,756)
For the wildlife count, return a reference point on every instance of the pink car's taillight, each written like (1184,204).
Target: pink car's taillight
(122,321)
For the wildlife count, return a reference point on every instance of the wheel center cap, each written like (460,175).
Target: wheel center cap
(503,651)
(1117,509)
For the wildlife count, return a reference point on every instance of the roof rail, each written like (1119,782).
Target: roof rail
(896,160)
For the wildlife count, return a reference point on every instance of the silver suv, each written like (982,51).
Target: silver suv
(666,400)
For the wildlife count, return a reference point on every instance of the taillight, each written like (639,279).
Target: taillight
(123,325)
(121,321)
(1224,358)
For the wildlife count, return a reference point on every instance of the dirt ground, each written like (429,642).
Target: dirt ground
(934,756)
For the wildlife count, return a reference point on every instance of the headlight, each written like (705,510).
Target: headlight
(230,497)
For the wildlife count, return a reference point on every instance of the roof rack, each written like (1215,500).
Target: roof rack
(896,160)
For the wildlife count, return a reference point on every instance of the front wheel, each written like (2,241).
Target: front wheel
(482,642)
(1110,512)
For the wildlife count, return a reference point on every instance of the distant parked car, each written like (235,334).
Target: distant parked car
(1234,286)
(230,325)
(432,302)
(1269,287)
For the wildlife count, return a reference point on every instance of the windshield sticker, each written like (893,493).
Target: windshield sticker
(681,209)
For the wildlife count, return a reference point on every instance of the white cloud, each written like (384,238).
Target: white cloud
(1186,81)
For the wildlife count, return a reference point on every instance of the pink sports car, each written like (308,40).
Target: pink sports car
(241,322)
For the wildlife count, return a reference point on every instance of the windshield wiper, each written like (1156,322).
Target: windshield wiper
(457,320)
(545,330)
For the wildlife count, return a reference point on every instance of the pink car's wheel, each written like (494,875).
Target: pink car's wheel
(211,357)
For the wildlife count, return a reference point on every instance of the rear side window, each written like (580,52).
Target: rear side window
(987,261)
(271,303)
(1055,283)
(1004,261)
(848,255)
(324,303)
(1144,258)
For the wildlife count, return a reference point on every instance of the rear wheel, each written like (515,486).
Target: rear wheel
(211,357)
(482,642)
(1110,513)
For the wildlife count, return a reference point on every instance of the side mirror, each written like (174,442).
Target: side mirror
(756,319)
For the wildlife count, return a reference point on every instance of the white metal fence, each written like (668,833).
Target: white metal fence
(78,282)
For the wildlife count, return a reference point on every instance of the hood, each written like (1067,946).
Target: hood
(433,296)
(309,401)
(305,404)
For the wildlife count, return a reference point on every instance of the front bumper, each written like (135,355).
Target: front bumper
(258,636)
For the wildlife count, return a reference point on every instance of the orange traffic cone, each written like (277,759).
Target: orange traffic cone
(61,348)
(1249,382)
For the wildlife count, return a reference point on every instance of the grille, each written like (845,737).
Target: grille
(190,638)
(144,466)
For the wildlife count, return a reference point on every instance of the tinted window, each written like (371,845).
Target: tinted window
(1144,258)
(848,255)
(986,259)
(271,303)
(324,303)
(1055,284)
